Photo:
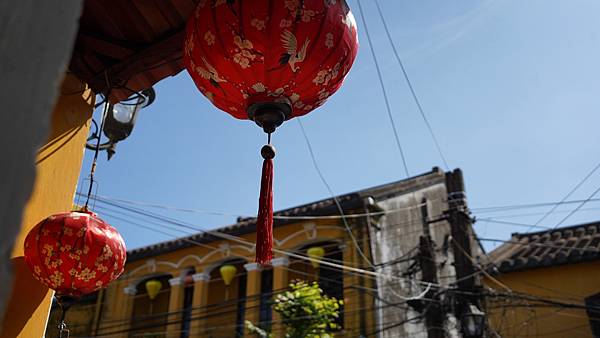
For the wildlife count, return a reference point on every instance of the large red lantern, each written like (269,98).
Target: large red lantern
(269,61)
(75,253)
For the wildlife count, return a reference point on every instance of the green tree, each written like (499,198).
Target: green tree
(305,311)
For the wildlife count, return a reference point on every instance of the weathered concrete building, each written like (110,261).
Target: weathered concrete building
(415,241)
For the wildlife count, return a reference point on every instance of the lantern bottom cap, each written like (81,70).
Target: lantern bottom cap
(269,115)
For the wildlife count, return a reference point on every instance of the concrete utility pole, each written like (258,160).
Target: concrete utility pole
(434,315)
(469,286)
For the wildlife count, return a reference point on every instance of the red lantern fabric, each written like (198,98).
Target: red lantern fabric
(75,253)
(242,52)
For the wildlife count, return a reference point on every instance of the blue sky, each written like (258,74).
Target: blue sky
(511,89)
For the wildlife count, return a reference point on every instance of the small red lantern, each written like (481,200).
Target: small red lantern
(75,253)
(269,61)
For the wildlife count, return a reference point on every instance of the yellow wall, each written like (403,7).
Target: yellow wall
(567,283)
(208,257)
(58,165)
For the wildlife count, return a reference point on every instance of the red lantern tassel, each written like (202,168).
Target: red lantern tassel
(264,222)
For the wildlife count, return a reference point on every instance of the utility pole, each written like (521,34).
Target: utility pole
(434,316)
(469,286)
(430,306)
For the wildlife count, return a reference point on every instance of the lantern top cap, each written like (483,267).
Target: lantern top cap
(270,115)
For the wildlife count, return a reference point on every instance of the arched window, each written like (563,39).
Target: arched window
(226,303)
(266,299)
(331,280)
(149,317)
(188,298)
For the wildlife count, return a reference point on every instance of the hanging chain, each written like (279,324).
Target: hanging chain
(63,331)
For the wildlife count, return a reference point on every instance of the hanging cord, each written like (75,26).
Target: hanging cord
(97,150)
(64,303)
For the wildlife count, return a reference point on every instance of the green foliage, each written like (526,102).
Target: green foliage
(305,311)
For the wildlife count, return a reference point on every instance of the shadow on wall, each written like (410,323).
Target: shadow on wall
(25,286)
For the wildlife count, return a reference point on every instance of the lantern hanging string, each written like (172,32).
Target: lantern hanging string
(97,150)
(64,303)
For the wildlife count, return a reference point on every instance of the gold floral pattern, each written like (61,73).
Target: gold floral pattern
(56,278)
(209,38)
(303,58)
(285,23)
(329,40)
(307,15)
(258,24)
(69,262)
(86,275)
(292,5)
(324,76)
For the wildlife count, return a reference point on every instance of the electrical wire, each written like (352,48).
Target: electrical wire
(410,86)
(194,318)
(477,211)
(484,239)
(524,225)
(526,206)
(568,194)
(577,208)
(512,295)
(394,225)
(281,217)
(504,216)
(381,83)
(190,241)
(371,274)
(335,199)
(402,225)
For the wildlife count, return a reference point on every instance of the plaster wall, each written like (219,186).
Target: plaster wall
(36,43)
(58,163)
(567,283)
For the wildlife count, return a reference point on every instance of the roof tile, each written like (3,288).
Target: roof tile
(568,245)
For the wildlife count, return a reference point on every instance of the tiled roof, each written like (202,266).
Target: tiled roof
(568,245)
(349,203)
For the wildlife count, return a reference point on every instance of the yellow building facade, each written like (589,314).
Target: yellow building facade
(58,165)
(193,300)
(552,268)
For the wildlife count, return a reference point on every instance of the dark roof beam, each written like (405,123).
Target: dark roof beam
(166,50)
(104,46)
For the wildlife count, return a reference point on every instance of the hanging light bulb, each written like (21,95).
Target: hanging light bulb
(153,287)
(228,271)
(119,121)
(316,253)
